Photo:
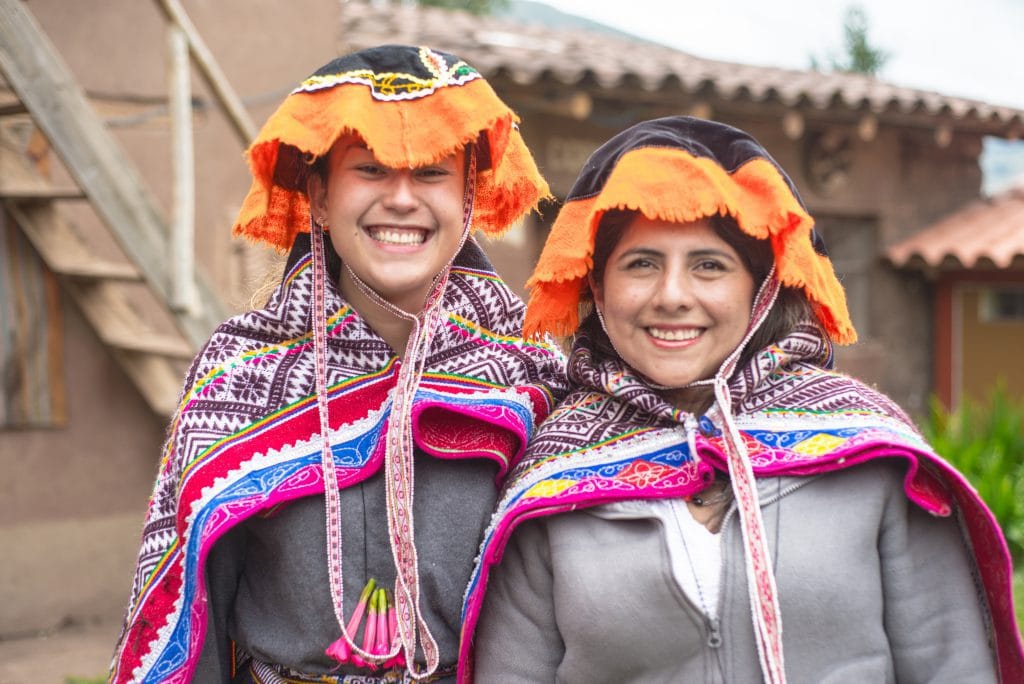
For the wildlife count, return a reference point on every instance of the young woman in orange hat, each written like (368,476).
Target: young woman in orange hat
(336,455)
(712,501)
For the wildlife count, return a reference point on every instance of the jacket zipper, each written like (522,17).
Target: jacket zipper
(714,633)
(713,625)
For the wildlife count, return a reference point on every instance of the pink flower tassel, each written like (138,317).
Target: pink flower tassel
(392,621)
(339,650)
(382,643)
(369,633)
(357,615)
(393,638)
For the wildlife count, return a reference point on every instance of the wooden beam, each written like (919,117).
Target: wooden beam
(12,109)
(61,248)
(183,183)
(95,160)
(237,115)
(159,379)
(19,181)
(867,127)
(701,109)
(574,104)
(106,306)
(793,124)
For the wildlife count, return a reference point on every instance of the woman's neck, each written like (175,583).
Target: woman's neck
(695,400)
(392,328)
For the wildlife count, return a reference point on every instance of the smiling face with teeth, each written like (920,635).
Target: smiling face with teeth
(395,228)
(676,299)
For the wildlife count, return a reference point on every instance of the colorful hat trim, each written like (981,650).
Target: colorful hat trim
(412,116)
(672,184)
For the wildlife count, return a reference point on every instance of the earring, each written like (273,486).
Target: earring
(600,318)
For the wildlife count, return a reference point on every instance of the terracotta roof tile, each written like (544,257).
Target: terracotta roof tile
(532,54)
(987,232)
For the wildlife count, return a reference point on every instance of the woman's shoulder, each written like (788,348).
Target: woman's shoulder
(480,297)
(811,389)
(254,332)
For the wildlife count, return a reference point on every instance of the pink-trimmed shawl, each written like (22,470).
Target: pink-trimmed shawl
(614,439)
(246,436)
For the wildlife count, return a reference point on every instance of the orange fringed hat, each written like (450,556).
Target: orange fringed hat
(683,169)
(412,106)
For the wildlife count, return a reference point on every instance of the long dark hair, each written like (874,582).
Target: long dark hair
(791,308)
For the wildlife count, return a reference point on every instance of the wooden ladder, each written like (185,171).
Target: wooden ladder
(125,298)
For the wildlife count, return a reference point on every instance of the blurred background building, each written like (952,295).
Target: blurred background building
(122,124)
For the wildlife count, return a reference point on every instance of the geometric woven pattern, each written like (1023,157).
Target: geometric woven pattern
(614,438)
(246,434)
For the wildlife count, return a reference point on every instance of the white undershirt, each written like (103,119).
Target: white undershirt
(695,552)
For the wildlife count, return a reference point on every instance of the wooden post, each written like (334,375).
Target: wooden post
(182,234)
(93,157)
(208,67)
(942,354)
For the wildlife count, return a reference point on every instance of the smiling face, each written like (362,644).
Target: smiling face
(676,299)
(395,228)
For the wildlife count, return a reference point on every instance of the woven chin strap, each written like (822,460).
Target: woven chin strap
(764,594)
(398,458)
(764,602)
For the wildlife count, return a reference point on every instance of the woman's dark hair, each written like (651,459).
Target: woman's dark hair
(320,167)
(791,307)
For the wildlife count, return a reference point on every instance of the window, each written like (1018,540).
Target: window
(1002,305)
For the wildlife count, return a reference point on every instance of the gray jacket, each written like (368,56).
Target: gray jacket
(872,589)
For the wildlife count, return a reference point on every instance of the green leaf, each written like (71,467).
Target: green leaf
(985,442)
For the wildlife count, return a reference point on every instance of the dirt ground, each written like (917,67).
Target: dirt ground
(80,652)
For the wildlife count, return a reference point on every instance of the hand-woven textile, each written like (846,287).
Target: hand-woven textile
(613,439)
(246,436)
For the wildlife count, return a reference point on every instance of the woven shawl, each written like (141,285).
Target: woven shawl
(246,436)
(613,439)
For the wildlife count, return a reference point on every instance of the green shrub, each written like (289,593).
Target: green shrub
(985,442)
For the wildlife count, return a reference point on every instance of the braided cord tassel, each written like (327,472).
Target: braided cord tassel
(400,451)
(398,460)
(343,649)
(398,463)
(764,602)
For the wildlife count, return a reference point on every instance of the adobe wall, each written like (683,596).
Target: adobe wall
(72,499)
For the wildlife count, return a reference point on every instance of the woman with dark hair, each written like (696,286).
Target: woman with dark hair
(283,541)
(712,502)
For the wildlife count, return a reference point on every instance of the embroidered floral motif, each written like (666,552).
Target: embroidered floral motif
(548,488)
(819,444)
(644,473)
